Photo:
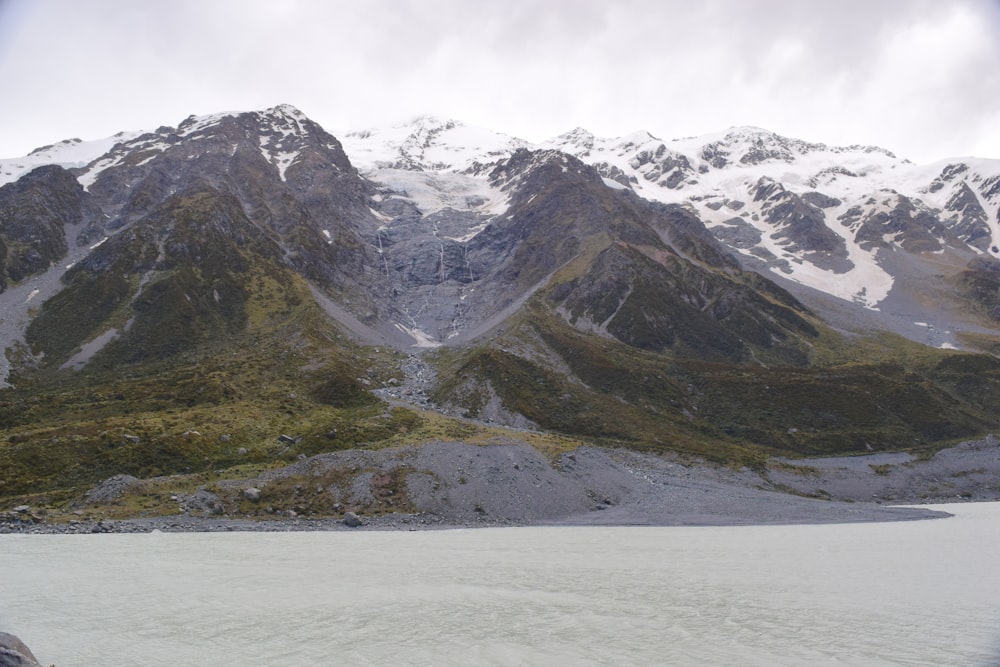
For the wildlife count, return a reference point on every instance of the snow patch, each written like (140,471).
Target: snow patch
(70,154)
(422,339)
(193,124)
(430,143)
(431,192)
(279,158)
(472,233)
(146,161)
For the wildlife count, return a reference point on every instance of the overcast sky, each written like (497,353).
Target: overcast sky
(919,77)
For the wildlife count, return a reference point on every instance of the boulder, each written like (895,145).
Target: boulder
(352,520)
(203,502)
(13,652)
(252,493)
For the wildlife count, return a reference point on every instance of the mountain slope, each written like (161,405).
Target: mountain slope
(227,291)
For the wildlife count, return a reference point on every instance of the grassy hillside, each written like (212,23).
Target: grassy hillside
(855,396)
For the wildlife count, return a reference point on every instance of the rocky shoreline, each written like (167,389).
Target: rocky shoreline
(197,524)
(442,485)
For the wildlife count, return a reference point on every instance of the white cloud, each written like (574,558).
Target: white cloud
(920,77)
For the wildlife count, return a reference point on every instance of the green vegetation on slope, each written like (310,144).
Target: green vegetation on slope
(876,394)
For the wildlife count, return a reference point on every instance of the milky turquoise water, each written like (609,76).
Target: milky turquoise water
(910,593)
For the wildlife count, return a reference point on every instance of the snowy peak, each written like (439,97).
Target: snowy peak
(535,165)
(282,116)
(752,146)
(69,153)
(639,160)
(282,135)
(279,132)
(404,146)
(427,143)
(578,138)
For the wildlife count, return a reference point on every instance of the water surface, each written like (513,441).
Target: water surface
(908,593)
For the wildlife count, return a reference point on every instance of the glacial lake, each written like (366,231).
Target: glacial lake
(908,593)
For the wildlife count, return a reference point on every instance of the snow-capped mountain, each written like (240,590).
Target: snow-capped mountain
(854,222)
(433,243)
(69,153)
(724,296)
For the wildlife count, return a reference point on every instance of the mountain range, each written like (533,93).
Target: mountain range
(247,288)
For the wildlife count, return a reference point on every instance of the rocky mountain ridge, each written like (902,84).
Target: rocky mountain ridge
(855,222)
(415,255)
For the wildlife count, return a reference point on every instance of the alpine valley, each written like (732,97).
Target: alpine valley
(244,315)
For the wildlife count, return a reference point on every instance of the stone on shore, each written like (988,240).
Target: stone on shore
(204,502)
(13,652)
(352,520)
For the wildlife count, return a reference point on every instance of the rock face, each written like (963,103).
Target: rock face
(13,652)
(980,283)
(173,226)
(662,303)
(972,223)
(39,214)
(800,225)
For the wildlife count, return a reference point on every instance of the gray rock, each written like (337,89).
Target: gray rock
(253,493)
(203,501)
(14,653)
(111,490)
(737,233)
(352,520)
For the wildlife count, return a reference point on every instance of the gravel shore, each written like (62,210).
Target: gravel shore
(458,485)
